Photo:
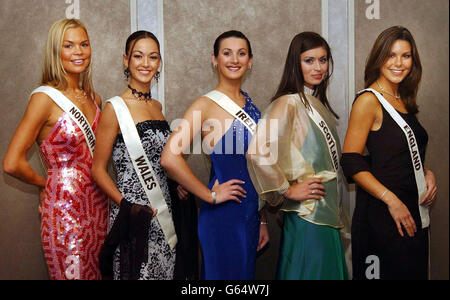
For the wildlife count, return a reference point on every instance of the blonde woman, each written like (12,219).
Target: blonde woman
(61,117)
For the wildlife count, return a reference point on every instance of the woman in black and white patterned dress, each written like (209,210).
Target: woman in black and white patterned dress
(142,60)
(153,134)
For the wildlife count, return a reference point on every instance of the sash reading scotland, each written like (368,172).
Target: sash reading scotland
(72,110)
(331,142)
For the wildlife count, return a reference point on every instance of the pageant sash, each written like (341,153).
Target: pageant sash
(233,109)
(414,151)
(331,142)
(308,206)
(144,169)
(72,110)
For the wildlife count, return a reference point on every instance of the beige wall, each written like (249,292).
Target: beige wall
(190,29)
(24,28)
(428,22)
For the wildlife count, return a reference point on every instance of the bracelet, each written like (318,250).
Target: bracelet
(264,223)
(213,194)
(384,193)
(282,192)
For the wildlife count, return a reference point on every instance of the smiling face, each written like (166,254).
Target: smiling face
(143,61)
(233,58)
(314,65)
(75,51)
(398,64)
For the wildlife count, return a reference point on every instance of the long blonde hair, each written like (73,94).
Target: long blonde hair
(53,72)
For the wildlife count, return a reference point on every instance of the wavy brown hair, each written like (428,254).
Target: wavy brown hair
(292,81)
(381,50)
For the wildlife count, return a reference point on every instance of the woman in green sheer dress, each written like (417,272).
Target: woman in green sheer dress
(294,164)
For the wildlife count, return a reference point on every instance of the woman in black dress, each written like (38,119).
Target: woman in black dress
(389,238)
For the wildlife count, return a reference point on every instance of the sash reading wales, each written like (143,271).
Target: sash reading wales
(144,169)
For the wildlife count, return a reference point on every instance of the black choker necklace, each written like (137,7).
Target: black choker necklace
(140,95)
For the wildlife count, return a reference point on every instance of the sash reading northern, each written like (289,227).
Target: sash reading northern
(73,111)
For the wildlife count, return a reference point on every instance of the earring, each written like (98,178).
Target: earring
(126,72)
(250,67)
(157,75)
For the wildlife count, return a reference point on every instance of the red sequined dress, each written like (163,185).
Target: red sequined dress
(75,210)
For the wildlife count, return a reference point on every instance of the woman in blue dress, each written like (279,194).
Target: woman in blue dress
(229,223)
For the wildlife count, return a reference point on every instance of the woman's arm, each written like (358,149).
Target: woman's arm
(173,161)
(106,133)
(36,116)
(362,119)
(270,148)
(263,230)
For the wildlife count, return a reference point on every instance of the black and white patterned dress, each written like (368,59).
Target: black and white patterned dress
(154,135)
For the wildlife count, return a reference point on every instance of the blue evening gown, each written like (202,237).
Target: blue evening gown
(229,232)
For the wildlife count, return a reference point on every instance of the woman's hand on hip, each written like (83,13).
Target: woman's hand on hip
(308,189)
(229,190)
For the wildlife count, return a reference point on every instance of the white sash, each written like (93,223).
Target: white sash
(233,109)
(415,155)
(144,169)
(331,142)
(72,110)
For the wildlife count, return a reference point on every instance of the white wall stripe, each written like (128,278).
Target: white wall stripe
(148,15)
(161,42)
(133,16)
(325,19)
(351,78)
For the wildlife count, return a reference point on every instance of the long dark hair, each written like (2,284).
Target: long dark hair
(381,50)
(228,34)
(292,81)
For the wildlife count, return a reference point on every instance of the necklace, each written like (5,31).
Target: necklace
(390,94)
(80,97)
(140,95)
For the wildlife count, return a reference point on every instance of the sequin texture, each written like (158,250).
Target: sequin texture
(74,211)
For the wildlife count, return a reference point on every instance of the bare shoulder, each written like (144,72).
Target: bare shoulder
(98,99)
(108,110)
(41,104)
(157,104)
(41,98)
(366,101)
(202,104)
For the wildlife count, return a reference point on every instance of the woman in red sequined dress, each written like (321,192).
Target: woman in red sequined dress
(74,210)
